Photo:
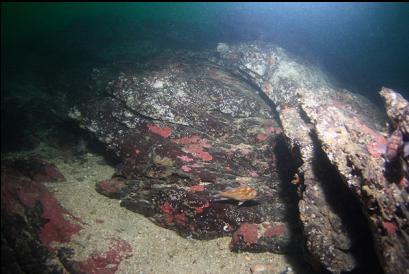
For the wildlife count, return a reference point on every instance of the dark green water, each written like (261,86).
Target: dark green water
(48,49)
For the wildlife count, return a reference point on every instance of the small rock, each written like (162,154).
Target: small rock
(262,269)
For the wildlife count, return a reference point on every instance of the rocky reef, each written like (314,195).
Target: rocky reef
(186,132)
(319,118)
(249,142)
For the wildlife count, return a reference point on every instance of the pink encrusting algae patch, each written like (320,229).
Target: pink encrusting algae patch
(273,130)
(197,188)
(254,174)
(19,194)
(168,212)
(181,219)
(247,233)
(262,137)
(106,262)
(164,132)
(186,168)
(198,152)
(194,145)
(187,140)
(58,228)
(389,227)
(377,148)
(365,129)
(185,158)
(273,231)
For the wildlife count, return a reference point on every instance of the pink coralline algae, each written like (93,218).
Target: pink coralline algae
(247,233)
(181,219)
(198,152)
(185,158)
(106,262)
(273,130)
(376,149)
(389,227)
(272,231)
(18,194)
(197,188)
(168,211)
(194,145)
(200,209)
(262,137)
(365,129)
(164,132)
(186,168)
(187,140)
(58,228)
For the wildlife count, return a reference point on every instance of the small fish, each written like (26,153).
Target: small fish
(240,194)
(395,142)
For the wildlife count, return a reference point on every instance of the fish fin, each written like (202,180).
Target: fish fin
(219,198)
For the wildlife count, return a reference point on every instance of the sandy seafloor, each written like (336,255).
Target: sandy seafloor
(154,249)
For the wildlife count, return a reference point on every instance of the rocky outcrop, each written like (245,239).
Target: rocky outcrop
(186,131)
(191,127)
(347,129)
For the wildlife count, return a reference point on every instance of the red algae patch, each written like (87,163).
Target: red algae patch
(19,194)
(168,211)
(106,262)
(262,137)
(197,188)
(389,227)
(185,158)
(186,168)
(198,152)
(194,145)
(57,229)
(247,233)
(376,149)
(112,185)
(187,140)
(164,132)
(272,231)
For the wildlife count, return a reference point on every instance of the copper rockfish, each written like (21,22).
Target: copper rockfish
(240,194)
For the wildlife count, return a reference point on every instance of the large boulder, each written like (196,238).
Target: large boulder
(209,142)
(186,132)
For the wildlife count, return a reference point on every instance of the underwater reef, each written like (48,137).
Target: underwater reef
(243,141)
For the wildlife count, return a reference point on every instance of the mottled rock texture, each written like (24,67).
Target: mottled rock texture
(329,124)
(185,131)
(190,126)
(35,227)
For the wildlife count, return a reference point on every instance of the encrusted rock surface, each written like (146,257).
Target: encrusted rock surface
(184,131)
(189,126)
(35,228)
(348,129)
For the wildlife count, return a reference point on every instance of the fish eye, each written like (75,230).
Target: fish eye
(226,228)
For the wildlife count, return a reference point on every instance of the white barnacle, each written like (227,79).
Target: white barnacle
(158,84)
